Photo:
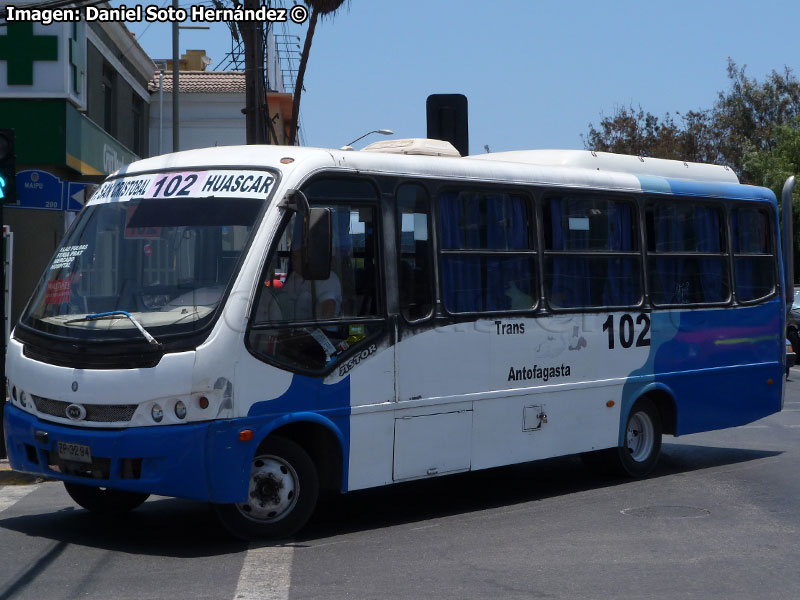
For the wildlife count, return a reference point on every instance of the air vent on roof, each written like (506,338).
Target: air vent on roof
(421,146)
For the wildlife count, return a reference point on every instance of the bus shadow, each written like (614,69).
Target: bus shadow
(465,493)
(178,528)
(168,527)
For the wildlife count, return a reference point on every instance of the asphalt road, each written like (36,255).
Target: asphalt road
(718,519)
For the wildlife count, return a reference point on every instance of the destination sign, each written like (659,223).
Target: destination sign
(218,183)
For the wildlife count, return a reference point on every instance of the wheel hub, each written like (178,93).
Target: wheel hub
(640,436)
(273,491)
(267,489)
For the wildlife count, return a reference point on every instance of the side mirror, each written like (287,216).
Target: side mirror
(317,238)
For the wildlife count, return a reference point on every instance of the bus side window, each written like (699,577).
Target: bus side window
(414,252)
(687,253)
(591,252)
(753,250)
(487,251)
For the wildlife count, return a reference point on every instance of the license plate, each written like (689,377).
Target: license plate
(74,452)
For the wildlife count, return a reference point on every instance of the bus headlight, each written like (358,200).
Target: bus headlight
(157,413)
(23,399)
(180,409)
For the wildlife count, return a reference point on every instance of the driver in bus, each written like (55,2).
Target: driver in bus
(300,299)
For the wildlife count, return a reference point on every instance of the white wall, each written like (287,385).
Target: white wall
(205,120)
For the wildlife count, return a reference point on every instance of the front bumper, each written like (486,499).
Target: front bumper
(201,461)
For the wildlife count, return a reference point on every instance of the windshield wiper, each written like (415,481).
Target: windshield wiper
(117,313)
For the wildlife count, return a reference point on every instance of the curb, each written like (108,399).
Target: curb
(10,477)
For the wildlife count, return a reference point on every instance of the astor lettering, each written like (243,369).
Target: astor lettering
(356,359)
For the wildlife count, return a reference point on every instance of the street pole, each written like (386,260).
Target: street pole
(175,84)
(255,92)
(161,111)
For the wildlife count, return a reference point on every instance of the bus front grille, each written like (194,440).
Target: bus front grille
(97,413)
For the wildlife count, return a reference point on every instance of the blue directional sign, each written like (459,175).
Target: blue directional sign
(39,189)
(76,195)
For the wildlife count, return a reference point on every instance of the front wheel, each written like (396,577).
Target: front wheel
(104,501)
(281,496)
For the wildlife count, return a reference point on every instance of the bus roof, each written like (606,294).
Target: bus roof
(621,163)
(559,168)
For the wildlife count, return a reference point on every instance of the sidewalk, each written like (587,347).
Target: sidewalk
(9,477)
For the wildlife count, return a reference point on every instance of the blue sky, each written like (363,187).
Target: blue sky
(535,73)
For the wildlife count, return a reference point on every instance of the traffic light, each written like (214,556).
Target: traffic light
(8,173)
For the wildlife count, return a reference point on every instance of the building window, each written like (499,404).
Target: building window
(109,99)
(138,122)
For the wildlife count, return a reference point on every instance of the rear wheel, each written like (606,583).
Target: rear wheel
(638,455)
(281,497)
(104,501)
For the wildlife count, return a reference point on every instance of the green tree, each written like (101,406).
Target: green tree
(743,119)
(770,168)
(749,116)
(633,131)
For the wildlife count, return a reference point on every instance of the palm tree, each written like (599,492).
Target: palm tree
(318,8)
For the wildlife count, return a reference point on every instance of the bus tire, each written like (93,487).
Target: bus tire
(282,493)
(104,501)
(638,455)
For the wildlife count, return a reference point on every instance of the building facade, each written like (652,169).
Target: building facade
(76,96)
(84,99)
(210,107)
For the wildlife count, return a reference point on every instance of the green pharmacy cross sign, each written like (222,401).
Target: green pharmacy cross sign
(20,47)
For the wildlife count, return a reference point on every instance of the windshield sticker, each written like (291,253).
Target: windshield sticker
(187,184)
(58,291)
(66,256)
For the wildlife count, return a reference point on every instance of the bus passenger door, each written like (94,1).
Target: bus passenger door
(328,328)
(431,437)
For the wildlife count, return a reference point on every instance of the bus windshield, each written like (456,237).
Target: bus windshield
(167,262)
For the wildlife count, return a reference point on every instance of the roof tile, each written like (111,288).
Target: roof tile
(199,82)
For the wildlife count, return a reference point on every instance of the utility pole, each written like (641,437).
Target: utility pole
(175,84)
(255,92)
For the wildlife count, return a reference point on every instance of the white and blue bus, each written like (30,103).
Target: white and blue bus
(251,325)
